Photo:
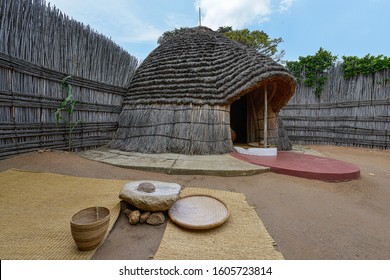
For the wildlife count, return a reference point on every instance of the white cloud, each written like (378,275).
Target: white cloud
(148,33)
(117,19)
(284,5)
(235,13)
(134,23)
(238,13)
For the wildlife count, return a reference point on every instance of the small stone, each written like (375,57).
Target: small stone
(156,218)
(127,212)
(146,187)
(144,217)
(134,217)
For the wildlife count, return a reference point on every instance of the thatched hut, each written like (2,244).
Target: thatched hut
(191,90)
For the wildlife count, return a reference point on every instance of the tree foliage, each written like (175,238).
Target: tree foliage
(258,40)
(312,69)
(169,34)
(353,65)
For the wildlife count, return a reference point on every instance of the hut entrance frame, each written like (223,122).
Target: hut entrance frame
(247,115)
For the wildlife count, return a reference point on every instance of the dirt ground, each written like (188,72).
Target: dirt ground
(308,219)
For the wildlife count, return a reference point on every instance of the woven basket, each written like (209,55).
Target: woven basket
(89,227)
(199,212)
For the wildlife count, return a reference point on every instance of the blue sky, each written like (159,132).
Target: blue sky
(343,27)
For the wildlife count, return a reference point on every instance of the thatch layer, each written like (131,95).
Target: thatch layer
(183,129)
(200,66)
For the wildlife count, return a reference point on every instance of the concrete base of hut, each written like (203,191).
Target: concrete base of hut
(217,165)
(299,164)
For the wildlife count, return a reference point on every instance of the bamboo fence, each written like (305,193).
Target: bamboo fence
(350,112)
(39,46)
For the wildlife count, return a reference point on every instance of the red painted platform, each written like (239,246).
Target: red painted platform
(305,166)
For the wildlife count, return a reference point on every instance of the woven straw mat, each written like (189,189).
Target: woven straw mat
(242,237)
(36,209)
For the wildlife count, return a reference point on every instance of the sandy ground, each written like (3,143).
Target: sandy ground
(308,219)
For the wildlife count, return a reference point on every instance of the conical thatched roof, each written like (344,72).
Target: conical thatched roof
(200,66)
(179,99)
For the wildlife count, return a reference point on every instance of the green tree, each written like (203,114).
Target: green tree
(169,34)
(353,65)
(258,40)
(312,69)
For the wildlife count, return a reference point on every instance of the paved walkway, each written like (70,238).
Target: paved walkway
(219,165)
(300,163)
(305,166)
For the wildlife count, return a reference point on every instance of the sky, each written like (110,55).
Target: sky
(343,27)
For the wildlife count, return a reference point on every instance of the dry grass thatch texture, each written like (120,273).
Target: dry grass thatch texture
(179,100)
(183,129)
(200,67)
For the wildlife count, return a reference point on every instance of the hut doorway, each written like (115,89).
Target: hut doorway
(254,120)
(247,118)
(238,119)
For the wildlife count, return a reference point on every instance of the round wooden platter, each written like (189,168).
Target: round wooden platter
(199,212)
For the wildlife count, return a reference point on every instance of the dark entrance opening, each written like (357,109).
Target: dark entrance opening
(238,119)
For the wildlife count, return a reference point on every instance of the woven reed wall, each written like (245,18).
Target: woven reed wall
(171,128)
(39,47)
(350,112)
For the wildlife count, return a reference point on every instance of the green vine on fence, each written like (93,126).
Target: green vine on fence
(312,69)
(67,106)
(354,66)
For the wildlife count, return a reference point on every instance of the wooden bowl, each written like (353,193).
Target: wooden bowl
(89,226)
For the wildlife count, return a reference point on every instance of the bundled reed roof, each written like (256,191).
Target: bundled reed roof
(179,99)
(200,66)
